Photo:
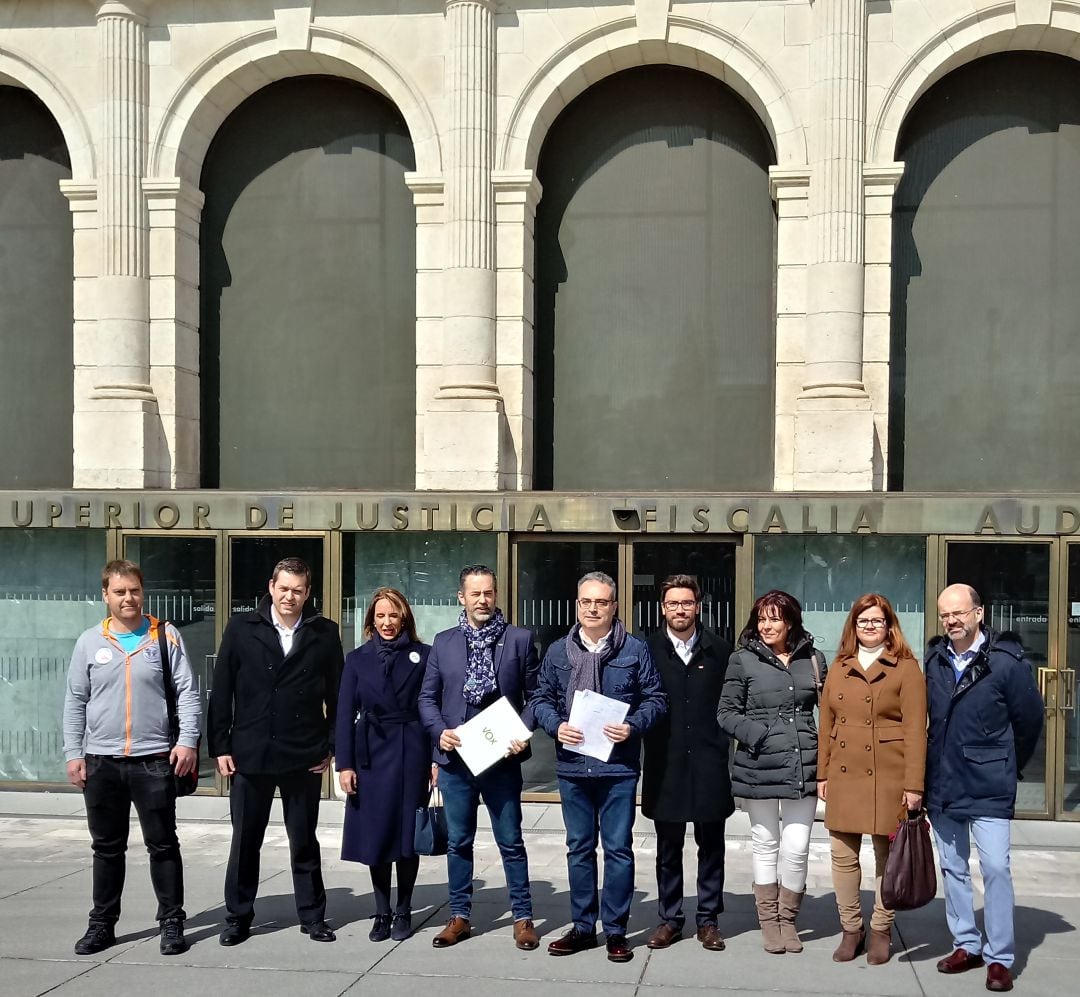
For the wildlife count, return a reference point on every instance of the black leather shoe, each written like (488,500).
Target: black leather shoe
(172,937)
(235,934)
(401,927)
(98,937)
(572,942)
(959,962)
(618,949)
(319,931)
(380,930)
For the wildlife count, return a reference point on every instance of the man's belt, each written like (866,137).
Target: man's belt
(133,758)
(368,719)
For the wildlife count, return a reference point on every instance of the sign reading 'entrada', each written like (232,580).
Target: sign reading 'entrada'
(539,512)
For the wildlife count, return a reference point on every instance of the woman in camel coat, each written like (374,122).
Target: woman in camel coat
(871,760)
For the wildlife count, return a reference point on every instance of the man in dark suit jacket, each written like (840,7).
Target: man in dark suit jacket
(685,776)
(469,668)
(270,726)
(985,716)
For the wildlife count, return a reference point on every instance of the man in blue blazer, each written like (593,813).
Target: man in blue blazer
(469,668)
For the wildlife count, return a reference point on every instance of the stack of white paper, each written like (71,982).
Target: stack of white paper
(589,711)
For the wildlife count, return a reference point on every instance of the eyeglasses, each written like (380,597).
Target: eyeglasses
(949,617)
(681,604)
(870,624)
(594,603)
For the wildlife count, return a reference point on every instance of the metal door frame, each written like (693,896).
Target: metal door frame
(744,565)
(1062,699)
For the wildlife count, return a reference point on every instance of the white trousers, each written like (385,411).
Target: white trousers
(780,854)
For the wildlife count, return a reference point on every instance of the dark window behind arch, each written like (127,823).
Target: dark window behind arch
(36,316)
(308,263)
(655,248)
(985,351)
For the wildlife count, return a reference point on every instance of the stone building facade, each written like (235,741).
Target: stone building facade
(431,280)
(139,89)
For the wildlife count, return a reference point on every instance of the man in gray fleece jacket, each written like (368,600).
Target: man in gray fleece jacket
(118,751)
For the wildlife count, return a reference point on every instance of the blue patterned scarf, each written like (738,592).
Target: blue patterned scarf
(480,671)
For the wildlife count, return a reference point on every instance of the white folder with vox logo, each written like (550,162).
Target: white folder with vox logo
(485,739)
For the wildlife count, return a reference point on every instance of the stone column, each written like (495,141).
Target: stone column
(834,441)
(175,212)
(880,183)
(516,198)
(118,437)
(462,437)
(790,189)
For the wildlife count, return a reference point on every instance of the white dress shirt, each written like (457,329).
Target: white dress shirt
(285,634)
(594,647)
(960,660)
(683,648)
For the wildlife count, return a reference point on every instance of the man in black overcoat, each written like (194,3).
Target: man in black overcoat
(270,726)
(685,774)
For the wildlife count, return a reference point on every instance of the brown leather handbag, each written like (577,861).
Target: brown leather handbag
(910,879)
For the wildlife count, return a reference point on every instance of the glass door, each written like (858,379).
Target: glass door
(180,584)
(1014,580)
(251,561)
(1061,701)
(712,563)
(546,572)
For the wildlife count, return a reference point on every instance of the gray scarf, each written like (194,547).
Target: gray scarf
(585,666)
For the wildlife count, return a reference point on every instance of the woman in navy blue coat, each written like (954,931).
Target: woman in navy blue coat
(383,756)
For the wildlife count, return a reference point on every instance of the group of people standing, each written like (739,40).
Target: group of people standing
(283,708)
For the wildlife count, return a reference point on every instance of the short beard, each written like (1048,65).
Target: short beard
(479,617)
(690,625)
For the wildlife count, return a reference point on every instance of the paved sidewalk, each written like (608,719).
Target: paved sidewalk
(45,893)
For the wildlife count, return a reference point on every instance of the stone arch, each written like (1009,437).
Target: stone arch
(615,46)
(18,70)
(224,80)
(976,34)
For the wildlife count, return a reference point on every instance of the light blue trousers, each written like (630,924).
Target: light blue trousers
(991,836)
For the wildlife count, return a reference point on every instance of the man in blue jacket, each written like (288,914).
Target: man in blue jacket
(598,655)
(470,667)
(985,715)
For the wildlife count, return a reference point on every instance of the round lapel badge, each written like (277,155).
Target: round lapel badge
(103,656)
(414,657)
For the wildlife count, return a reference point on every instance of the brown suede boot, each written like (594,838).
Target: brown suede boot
(765,894)
(790,902)
(851,944)
(879,951)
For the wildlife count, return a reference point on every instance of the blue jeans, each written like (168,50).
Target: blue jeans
(600,808)
(954,853)
(500,789)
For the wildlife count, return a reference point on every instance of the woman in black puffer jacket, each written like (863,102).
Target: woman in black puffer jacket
(767,706)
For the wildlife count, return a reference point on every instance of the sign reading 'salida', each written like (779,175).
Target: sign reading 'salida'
(546,512)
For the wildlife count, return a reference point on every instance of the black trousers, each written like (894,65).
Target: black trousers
(670,837)
(251,798)
(112,786)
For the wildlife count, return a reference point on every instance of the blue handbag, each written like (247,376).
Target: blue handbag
(431,836)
